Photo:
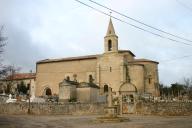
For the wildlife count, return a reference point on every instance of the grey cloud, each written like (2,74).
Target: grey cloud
(20,51)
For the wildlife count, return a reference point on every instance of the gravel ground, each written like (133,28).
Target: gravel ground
(60,121)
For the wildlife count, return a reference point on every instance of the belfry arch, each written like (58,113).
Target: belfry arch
(106,88)
(109,45)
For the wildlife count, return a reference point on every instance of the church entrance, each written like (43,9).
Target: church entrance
(47,92)
(127,104)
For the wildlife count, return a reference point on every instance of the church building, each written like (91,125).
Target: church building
(115,68)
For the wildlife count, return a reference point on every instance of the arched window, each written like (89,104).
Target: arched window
(105,88)
(149,79)
(48,92)
(68,78)
(109,45)
(90,79)
(75,77)
(110,69)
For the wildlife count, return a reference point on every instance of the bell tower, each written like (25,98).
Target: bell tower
(111,39)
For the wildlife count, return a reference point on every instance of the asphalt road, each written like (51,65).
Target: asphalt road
(60,121)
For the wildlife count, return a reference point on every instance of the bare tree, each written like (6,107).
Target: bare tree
(188,86)
(2,39)
(9,77)
(6,72)
(3,69)
(2,45)
(187,81)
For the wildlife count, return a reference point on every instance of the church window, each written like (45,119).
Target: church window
(109,45)
(110,69)
(149,80)
(68,78)
(75,77)
(105,88)
(91,79)
(48,92)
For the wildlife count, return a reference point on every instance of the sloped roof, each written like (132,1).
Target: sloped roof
(69,59)
(143,60)
(122,51)
(21,76)
(85,85)
(68,83)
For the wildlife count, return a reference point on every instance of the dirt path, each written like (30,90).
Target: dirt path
(59,121)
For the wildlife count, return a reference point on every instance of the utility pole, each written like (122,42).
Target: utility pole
(29,97)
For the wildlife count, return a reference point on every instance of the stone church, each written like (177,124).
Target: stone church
(115,68)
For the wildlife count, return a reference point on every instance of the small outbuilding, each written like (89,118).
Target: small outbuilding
(72,91)
(87,92)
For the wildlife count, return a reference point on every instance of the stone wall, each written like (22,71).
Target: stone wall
(142,108)
(52,108)
(164,108)
(3,98)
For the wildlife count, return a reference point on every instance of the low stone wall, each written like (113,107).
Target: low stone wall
(164,108)
(3,98)
(52,108)
(143,108)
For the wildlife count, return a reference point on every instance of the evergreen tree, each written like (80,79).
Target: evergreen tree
(22,88)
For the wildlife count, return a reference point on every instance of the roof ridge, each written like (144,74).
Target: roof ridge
(69,58)
(144,60)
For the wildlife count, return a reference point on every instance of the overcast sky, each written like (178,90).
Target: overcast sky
(41,29)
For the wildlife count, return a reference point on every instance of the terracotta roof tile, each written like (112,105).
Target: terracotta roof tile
(21,76)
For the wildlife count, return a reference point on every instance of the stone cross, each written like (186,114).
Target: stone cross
(109,98)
